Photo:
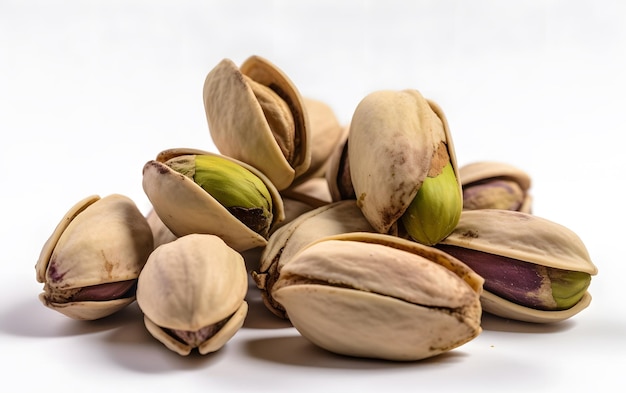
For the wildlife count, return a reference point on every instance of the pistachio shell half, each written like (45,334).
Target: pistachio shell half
(334,218)
(91,262)
(380,296)
(186,208)
(397,140)
(256,115)
(535,270)
(192,292)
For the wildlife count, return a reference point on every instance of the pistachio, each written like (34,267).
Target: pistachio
(326,133)
(240,191)
(334,218)
(185,207)
(380,296)
(161,234)
(495,185)
(269,128)
(432,213)
(338,173)
(398,140)
(90,263)
(191,292)
(535,270)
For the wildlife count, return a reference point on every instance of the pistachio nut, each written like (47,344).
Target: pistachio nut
(90,263)
(535,270)
(191,292)
(379,296)
(403,165)
(334,218)
(256,115)
(195,191)
(495,185)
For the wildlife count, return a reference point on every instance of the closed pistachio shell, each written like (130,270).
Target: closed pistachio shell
(185,208)
(379,296)
(531,251)
(396,140)
(256,115)
(194,288)
(91,262)
(490,184)
(334,218)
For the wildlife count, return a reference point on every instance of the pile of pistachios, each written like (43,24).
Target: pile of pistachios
(368,237)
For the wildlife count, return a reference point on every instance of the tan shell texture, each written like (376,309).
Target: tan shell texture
(245,133)
(527,238)
(387,174)
(485,170)
(331,219)
(185,208)
(360,295)
(98,241)
(190,283)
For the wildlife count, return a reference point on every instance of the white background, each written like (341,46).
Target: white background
(91,90)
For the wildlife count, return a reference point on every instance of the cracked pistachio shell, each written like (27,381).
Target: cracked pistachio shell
(504,178)
(186,208)
(522,237)
(379,296)
(193,285)
(91,262)
(393,139)
(334,218)
(256,115)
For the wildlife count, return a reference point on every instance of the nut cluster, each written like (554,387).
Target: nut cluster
(368,237)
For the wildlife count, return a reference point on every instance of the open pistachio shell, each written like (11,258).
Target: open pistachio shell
(335,218)
(186,208)
(521,237)
(393,141)
(380,296)
(193,287)
(256,115)
(91,262)
(500,175)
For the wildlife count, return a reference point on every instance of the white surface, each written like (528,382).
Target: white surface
(89,91)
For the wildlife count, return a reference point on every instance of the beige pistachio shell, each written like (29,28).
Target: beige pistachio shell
(335,218)
(338,171)
(98,241)
(191,283)
(379,296)
(393,138)
(326,133)
(185,208)
(240,128)
(161,234)
(524,237)
(480,171)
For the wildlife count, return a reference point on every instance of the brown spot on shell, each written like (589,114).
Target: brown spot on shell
(470,234)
